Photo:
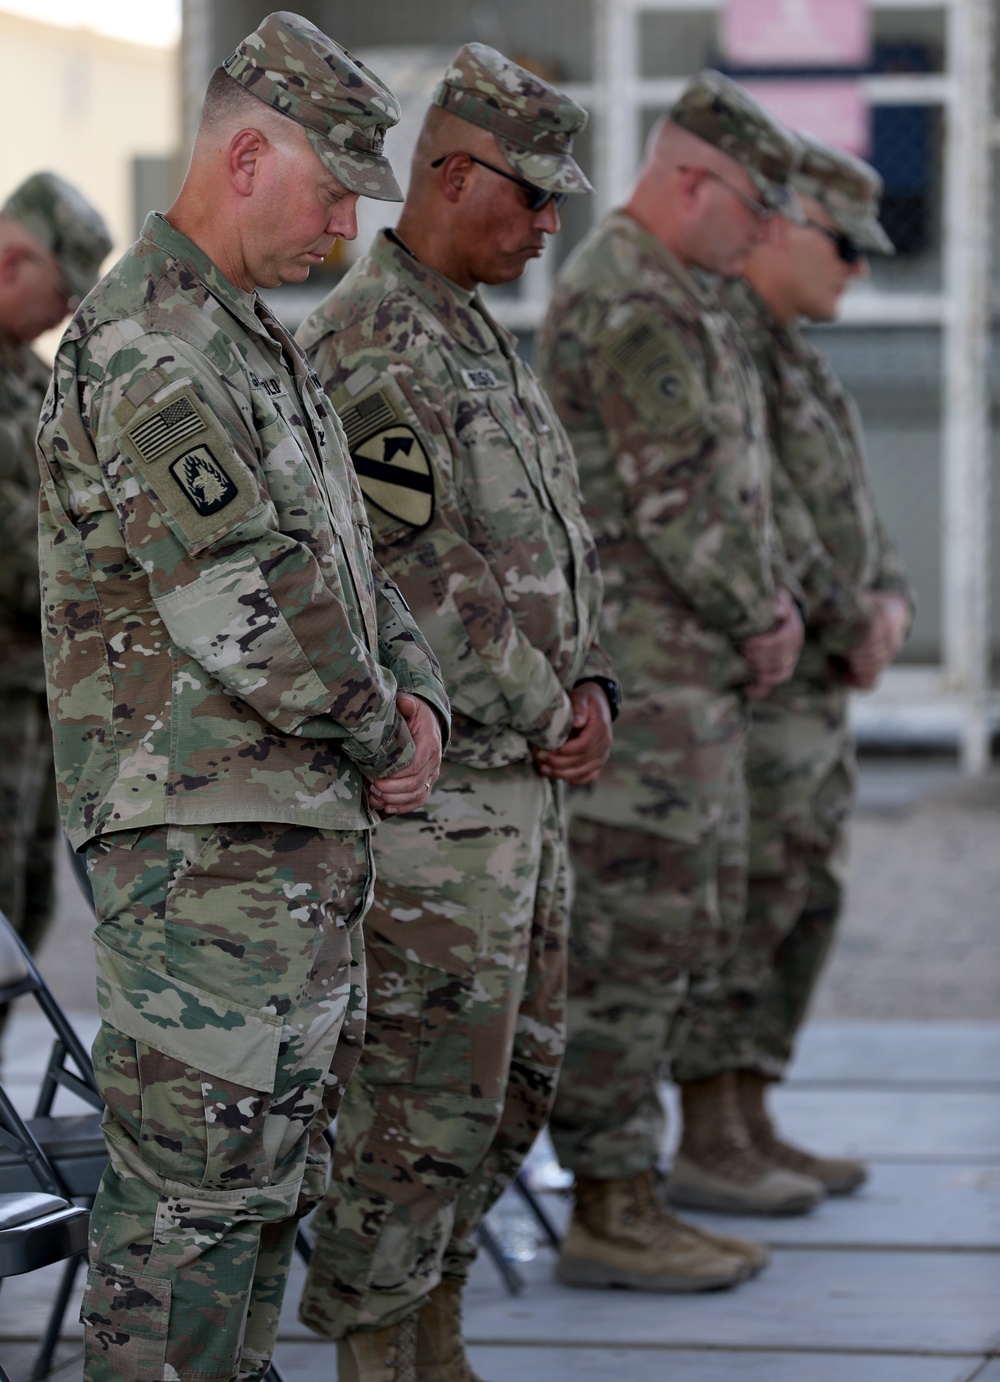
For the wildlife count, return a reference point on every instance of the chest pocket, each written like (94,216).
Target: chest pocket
(508,411)
(737,401)
(305,505)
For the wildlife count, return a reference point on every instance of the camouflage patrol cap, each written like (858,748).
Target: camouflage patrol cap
(724,115)
(344,108)
(848,189)
(64,222)
(533,123)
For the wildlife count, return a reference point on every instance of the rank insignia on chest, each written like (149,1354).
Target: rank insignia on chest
(392,466)
(204,480)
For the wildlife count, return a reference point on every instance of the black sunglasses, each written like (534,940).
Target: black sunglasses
(538,197)
(847,251)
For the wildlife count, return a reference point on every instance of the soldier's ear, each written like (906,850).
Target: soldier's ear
(454,173)
(245,151)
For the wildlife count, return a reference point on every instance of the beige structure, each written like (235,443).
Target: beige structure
(84,105)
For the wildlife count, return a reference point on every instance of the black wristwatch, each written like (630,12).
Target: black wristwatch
(611,689)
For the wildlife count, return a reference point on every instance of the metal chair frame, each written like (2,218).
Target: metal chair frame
(63,1155)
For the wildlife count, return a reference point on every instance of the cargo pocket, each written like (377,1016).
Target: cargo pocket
(202,1074)
(126,1318)
(422,955)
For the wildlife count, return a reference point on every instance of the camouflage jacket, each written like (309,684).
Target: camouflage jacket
(665,413)
(23,381)
(823,502)
(219,645)
(473,498)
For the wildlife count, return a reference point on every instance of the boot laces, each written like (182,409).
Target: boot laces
(402,1355)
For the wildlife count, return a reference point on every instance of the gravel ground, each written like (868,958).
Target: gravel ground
(919,937)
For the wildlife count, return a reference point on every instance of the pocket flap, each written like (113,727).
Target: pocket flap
(198,1028)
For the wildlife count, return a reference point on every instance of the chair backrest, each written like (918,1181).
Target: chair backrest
(15,977)
(59,1154)
(20,975)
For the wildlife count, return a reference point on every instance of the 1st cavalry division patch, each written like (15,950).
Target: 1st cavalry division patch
(392,465)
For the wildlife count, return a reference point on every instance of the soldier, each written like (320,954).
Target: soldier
(227,671)
(859,607)
(472,494)
(52,242)
(666,416)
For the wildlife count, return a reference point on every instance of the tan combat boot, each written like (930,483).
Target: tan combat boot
(718,1167)
(440,1347)
(621,1234)
(839,1174)
(380,1355)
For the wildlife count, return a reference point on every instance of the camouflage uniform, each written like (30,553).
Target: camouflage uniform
(666,416)
(801,755)
(57,218)
(223,660)
(472,494)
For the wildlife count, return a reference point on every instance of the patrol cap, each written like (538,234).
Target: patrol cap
(533,123)
(724,115)
(848,189)
(64,222)
(343,107)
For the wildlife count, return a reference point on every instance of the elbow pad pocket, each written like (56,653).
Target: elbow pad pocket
(228,621)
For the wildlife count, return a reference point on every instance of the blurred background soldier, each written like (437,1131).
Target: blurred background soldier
(665,413)
(859,606)
(473,499)
(52,243)
(226,672)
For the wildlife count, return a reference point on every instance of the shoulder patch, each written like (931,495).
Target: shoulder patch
(170,425)
(187,462)
(647,354)
(393,468)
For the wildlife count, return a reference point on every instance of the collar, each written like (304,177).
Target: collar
(649,247)
(460,311)
(788,334)
(159,232)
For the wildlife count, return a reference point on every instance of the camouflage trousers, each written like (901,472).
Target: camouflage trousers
(466,947)
(230,983)
(801,779)
(29,818)
(651,921)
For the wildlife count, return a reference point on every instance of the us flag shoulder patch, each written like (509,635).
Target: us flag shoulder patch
(175,423)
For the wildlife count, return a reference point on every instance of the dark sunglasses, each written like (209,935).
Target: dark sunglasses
(847,251)
(538,197)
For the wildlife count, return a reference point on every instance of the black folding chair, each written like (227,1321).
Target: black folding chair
(36,1230)
(60,1154)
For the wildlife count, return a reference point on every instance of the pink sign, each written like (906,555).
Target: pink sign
(832,109)
(795,33)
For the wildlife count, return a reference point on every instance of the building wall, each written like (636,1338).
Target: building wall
(85,106)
